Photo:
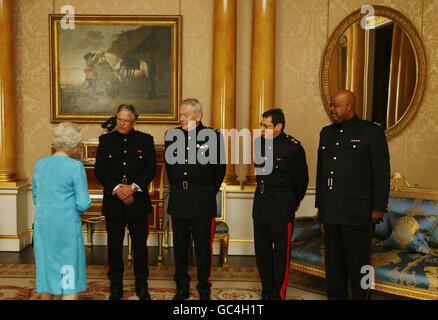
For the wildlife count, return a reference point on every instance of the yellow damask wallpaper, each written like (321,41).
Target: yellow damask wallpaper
(303,27)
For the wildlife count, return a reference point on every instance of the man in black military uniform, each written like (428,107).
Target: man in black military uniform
(194,184)
(352,187)
(277,197)
(125,165)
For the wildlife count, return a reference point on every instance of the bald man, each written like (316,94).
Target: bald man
(352,189)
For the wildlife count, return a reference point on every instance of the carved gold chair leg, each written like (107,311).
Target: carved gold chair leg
(89,234)
(129,247)
(160,247)
(166,236)
(224,247)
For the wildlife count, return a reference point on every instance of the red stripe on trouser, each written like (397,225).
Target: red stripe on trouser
(213,228)
(370,261)
(286,271)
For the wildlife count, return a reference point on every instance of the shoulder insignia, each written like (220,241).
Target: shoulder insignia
(292,139)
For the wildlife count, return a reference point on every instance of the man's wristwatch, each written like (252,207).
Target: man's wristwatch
(134,187)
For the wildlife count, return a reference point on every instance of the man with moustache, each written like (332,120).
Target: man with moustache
(352,189)
(276,199)
(194,184)
(125,165)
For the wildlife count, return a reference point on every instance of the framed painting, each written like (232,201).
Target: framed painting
(100,62)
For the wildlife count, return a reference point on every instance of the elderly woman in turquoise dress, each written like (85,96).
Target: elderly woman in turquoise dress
(60,194)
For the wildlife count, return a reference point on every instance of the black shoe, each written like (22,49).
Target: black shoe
(143,294)
(182,293)
(116,294)
(204,295)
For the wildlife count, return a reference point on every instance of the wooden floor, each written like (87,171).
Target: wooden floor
(97,255)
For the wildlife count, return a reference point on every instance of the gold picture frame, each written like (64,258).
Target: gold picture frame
(101,61)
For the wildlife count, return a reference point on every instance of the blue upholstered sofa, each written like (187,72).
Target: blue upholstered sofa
(405,245)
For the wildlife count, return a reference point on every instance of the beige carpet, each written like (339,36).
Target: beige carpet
(17,282)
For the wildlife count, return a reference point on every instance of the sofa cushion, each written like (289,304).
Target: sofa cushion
(410,232)
(416,207)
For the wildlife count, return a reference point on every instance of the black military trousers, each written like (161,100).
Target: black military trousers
(138,231)
(202,231)
(272,248)
(347,250)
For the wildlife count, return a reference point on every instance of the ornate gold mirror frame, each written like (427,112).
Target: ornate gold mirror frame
(420,59)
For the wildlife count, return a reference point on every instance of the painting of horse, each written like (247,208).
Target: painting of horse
(101,64)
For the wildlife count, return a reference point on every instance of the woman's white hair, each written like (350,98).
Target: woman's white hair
(66,136)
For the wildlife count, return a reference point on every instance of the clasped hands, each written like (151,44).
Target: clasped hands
(124,192)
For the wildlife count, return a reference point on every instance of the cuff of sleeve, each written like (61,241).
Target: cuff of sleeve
(114,190)
(136,188)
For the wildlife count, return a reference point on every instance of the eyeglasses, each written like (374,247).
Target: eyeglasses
(124,121)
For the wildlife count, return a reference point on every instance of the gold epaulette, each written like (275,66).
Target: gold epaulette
(292,139)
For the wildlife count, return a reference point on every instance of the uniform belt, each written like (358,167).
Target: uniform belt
(330,182)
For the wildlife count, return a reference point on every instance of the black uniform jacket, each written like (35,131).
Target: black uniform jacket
(193,186)
(130,157)
(279,193)
(353,172)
